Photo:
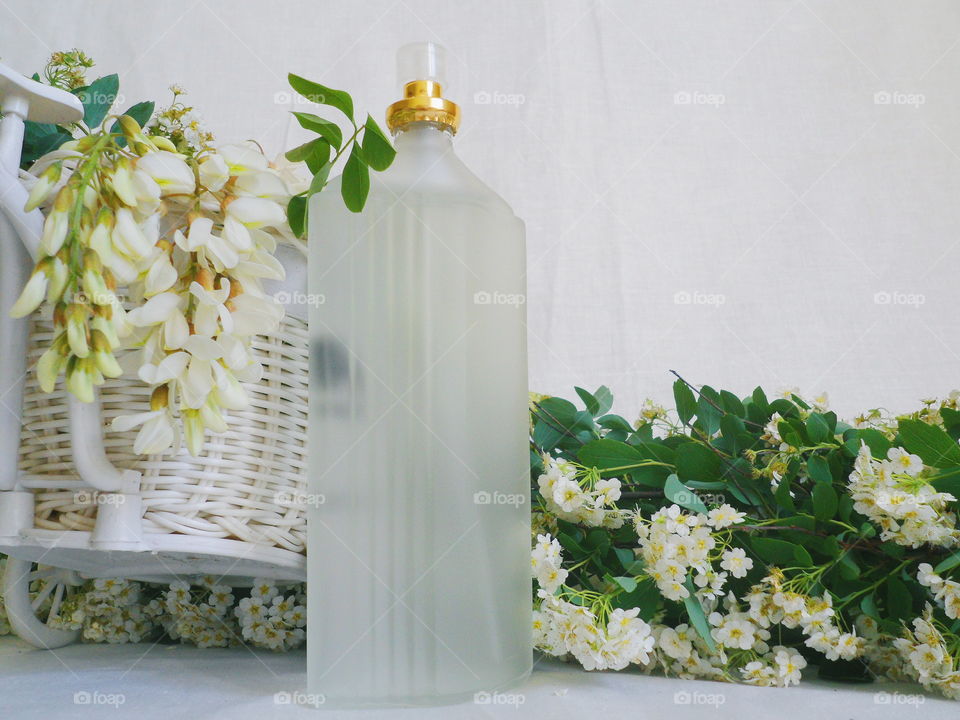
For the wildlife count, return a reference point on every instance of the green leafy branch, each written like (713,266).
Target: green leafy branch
(373,152)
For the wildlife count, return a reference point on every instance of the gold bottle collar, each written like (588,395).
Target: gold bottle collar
(423,101)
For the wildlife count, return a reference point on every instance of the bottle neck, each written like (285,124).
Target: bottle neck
(423,137)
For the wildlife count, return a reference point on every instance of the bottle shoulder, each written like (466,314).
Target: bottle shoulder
(424,178)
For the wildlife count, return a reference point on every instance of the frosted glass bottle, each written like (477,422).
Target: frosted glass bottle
(419,570)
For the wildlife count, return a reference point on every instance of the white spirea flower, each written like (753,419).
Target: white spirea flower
(737,562)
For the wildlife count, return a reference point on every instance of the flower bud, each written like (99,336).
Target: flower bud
(44,186)
(103,355)
(32,295)
(79,381)
(51,363)
(57,224)
(58,276)
(163,143)
(77,329)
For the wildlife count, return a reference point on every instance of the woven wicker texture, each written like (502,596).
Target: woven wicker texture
(247,484)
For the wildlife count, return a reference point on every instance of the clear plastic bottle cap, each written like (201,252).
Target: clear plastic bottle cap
(421,61)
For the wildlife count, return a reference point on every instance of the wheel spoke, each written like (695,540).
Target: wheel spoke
(43,595)
(57,599)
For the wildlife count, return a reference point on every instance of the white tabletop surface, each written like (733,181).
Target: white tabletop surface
(174,682)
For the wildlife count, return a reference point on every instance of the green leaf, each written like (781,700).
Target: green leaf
(355,183)
(302,152)
(675,491)
(39,139)
(627,583)
(97,99)
(646,596)
(899,600)
(930,442)
(377,150)
(626,557)
(697,617)
(319,180)
(589,401)
(947,481)
(878,443)
(771,550)
(685,401)
(615,422)
(318,161)
(297,215)
(329,131)
(825,501)
(604,454)
(948,563)
(570,544)
(708,414)
(783,497)
(817,428)
(605,398)
(868,604)
(819,470)
(802,557)
(556,419)
(315,92)
(696,462)
(731,403)
(849,570)
(759,399)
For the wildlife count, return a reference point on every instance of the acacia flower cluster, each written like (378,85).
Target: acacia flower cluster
(189,236)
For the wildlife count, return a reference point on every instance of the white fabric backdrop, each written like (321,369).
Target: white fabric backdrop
(734,155)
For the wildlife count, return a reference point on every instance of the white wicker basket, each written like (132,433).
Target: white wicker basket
(245,486)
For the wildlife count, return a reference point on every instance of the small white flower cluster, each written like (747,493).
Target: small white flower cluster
(110,612)
(674,542)
(771,433)
(904,505)
(567,498)
(780,667)
(197,614)
(945,591)
(773,603)
(684,654)
(927,658)
(882,658)
(270,619)
(681,652)
(546,563)
(562,628)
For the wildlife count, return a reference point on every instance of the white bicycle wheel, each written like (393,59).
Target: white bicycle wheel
(33,595)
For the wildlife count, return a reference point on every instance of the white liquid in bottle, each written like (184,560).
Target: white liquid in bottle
(419,569)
